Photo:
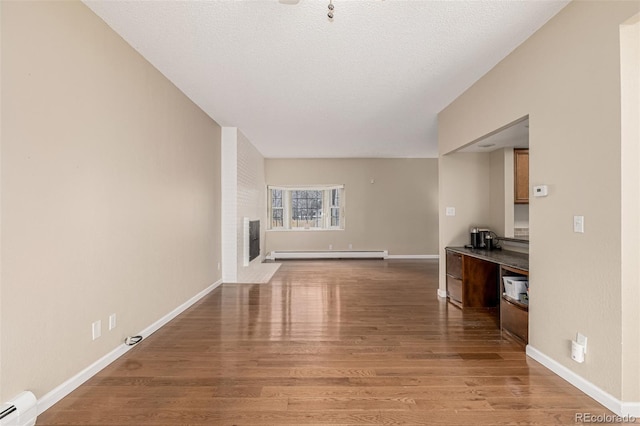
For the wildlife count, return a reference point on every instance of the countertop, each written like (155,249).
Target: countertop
(502,257)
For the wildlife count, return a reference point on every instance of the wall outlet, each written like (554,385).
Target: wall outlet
(112,321)
(450,211)
(579,348)
(578,224)
(330,246)
(96,329)
(350,246)
(581,339)
(577,352)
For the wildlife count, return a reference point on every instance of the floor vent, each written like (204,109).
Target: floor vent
(20,411)
(332,254)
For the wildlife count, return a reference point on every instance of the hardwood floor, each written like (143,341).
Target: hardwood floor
(326,342)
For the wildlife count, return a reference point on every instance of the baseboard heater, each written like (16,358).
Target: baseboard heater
(330,254)
(20,411)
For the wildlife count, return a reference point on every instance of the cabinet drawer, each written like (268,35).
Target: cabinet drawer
(454,265)
(454,289)
(515,320)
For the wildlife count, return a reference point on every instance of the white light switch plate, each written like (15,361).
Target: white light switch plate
(112,321)
(578,224)
(96,329)
(450,211)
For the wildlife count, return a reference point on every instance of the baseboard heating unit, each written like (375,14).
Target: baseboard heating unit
(331,254)
(20,411)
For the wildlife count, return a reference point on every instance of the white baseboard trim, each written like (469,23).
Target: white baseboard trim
(332,254)
(74,382)
(346,254)
(413,256)
(612,403)
(442,294)
(631,409)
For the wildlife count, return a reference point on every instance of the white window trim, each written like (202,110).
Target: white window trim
(326,207)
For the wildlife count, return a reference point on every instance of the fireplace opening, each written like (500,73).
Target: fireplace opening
(254,239)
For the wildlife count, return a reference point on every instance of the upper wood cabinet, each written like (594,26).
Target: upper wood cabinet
(521,176)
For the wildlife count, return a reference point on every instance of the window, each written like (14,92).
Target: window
(277,211)
(318,207)
(334,208)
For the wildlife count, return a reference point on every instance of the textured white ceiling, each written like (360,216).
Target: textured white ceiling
(367,84)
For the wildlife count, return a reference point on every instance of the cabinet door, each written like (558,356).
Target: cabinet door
(514,320)
(521,176)
(480,283)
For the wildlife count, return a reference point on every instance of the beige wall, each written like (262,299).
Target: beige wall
(2,397)
(397,213)
(110,193)
(630,58)
(566,77)
(251,199)
(464,184)
(503,210)
(497,192)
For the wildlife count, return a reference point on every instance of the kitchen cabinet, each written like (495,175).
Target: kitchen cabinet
(514,315)
(474,279)
(521,176)
(471,282)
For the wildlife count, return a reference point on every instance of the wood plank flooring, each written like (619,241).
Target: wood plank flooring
(326,342)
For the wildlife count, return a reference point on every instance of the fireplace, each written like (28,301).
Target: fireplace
(254,239)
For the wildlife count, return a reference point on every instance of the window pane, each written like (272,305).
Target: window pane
(335,217)
(306,208)
(276,208)
(276,219)
(335,197)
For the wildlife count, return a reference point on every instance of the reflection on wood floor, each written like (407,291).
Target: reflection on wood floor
(326,342)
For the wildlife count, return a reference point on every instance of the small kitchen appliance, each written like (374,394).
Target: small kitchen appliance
(483,238)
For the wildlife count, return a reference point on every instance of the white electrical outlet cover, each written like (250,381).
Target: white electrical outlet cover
(112,321)
(450,211)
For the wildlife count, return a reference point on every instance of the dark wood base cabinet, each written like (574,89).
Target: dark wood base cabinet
(471,282)
(474,280)
(514,320)
(514,315)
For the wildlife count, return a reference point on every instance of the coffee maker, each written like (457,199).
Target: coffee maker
(481,238)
